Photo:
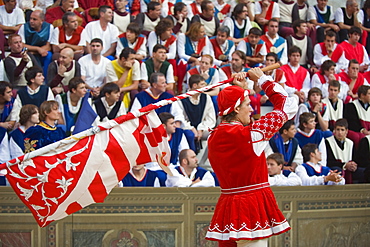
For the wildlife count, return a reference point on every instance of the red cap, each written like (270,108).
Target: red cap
(229,98)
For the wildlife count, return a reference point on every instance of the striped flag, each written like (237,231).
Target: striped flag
(73,174)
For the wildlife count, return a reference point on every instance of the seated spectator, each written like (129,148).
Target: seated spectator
(148,20)
(364,24)
(222,46)
(46,132)
(103,29)
(222,10)
(276,74)
(121,17)
(301,40)
(322,16)
(277,175)
(4,154)
(28,117)
(6,105)
(67,35)
(253,47)
(357,112)
(62,71)
(125,72)
(11,19)
(334,104)
(139,176)
(87,4)
(93,67)
(35,93)
(264,11)
(307,133)
(108,106)
(297,77)
(54,15)
(238,64)
(134,40)
(340,151)
(207,18)
(363,157)
(36,36)
(312,172)
(188,174)
(180,18)
(194,8)
(286,144)
(274,43)
(158,63)
(70,103)
(176,137)
(345,18)
(239,23)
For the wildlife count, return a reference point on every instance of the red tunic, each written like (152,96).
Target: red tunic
(246,209)
(294,79)
(360,80)
(350,52)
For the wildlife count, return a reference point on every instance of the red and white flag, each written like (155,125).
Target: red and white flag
(78,171)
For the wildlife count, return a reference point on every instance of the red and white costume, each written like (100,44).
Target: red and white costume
(246,209)
(357,52)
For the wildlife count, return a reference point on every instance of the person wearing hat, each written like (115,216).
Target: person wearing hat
(246,213)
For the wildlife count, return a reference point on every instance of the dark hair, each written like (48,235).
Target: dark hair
(294,49)
(26,112)
(178,7)
(274,55)
(362,90)
(66,16)
(195,79)
(31,73)
(3,86)
(355,29)
(134,28)
(242,56)
(46,107)
(352,61)
(103,9)
(224,29)
(238,9)
(342,122)
(330,34)
(152,5)
(96,40)
(255,31)
(278,157)
(154,77)
(296,24)
(158,47)
(229,117)
(272,20)
(74,82)
(334,83)
(307,150)
(203,5)
(125,53)
(326,66)
(286,126)
(162,26)
(303,119)
(366,5)
(183,155)
(165,116)
(314,90)
(109,88)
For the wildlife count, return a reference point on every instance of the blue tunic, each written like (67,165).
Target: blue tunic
(312,172)
(315,138)
(18,136)
(174,145)
(199,174)
(147,181)
(146,99)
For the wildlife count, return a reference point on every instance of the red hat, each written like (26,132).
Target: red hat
(229,98)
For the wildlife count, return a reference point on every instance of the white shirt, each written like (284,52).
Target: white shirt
(181,40)
(229,22)
(179,180)
(169,74)
(4,150)
(11,19)
(311,15)
(141,50)
(316,82)
(121,111)
(281,180)
(339,17)
(95,74)
(153,40)
(314,180)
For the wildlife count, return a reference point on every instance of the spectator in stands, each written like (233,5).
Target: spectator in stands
(285,143)
(17,62)
(334,104)
(125,72)
(148,20)
(277,175)
(36,36)
(139,176)
(180,18)
(239,23)
(87,4)
(363,156)
(108,106)
(6,105)
(70,103)
(157,63)
(176,136)
(322,16)
(357,112)
(340,151)
(162,35)
(264,11)
(300,39)
(364,24)
(4,153)
(134,40)
(297,77)
(93,67)
(274,43)
(194,8)
(222,10)
(276,74)
(222,46)
(54,15)
(103,29)
(28,117)
(207,18)
(307,133)
(67,35)
(46,132)
(188,174)
(238,64)
(313,172)
(346,18)
(11,19)
(61,71)
(121,17)
(35,93)
(253,47)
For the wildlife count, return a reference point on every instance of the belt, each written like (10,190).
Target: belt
(245,188)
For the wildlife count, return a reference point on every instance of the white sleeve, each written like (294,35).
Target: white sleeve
(228,22)
(306,84)
(341,182)
(21,33)
(177,113)
(84,36)
(50,94)
(263,50)
(177,180)
(114,34)
(136,75)
(111,73)
(293,180)
(360,16)
(318,58)
(186,123)
(276,11)
(144,72)
(257,8)
(242,46)
(331,18)
(338,16)
(207,48)
(366,57)
(55,37)
(14,114)
(215,78)
(311,14)
(4,149)
(284,55)
(169,75)
(183,143)
(58,99)
(307,180)
(152,41)
(207,181)
(322,149)
(301,109)
(119,47)
(268,150)
(298,158)
(51,33)
(142,49)
(209,116)
(181,47)
(135,105)
(172,51)
(315,82)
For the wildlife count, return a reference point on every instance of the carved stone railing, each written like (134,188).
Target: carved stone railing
(164,217)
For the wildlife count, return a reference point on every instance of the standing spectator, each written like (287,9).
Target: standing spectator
(277,175)
(346,18)
(148,20)
(207,18)
(134,40)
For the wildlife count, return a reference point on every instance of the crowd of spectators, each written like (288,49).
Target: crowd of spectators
(56,57)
